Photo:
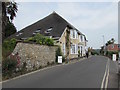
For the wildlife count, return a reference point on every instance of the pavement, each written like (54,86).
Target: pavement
(94,72)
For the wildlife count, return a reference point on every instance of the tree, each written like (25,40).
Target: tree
(110,41)
(9,29)
(9,10)
(102,50)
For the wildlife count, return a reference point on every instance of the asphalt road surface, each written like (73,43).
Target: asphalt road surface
(88,73)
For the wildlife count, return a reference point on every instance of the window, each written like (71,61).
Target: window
(118,45)
(81,38)
(74,49)
(19,34)
(23,38)
(73,34)
(48,30)
(112,46)
(34,33)
(76,35)
(37,31)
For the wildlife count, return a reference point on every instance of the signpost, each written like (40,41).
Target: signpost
(114,57)
(59,59)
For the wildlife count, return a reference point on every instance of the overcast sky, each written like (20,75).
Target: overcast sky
(94,19)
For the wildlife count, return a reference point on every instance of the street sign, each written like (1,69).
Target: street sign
(114,57)
(59,59)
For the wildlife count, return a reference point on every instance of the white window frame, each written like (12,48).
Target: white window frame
(75,48)
(112,46)
(77,35)
(74,34)
(81,38)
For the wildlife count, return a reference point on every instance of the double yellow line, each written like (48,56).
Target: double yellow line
(105,78)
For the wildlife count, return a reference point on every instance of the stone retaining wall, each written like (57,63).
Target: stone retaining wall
(35,55)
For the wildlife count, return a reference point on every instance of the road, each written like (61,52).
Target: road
(89,73)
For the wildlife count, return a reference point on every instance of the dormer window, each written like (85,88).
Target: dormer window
(23,38)
(48,30)
(37,31)
(34,33)
(19,34)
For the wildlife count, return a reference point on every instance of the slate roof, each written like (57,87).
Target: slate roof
(54,21)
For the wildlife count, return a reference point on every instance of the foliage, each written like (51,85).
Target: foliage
(9,29)
(68,42)
(93,52)
(78,53)
(11,9)
(40,39)
(8,46)
(110,41)
(49,42)
(9,66)
(110,53)
(59,53)
(102,50)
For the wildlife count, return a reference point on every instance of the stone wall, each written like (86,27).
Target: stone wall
(35,55)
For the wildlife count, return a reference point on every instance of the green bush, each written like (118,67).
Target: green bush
(59,53)
(78,53)
(49,42)
(8,67)
(93,52)
(40,39)
(9,29)
(8,46)
(110,53)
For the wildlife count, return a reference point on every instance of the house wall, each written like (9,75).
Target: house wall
(113,47)
(73,41)
(35,55)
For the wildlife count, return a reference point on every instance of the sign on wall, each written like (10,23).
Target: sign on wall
(114,57)
(59,59)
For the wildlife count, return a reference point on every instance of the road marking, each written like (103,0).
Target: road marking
(106,75)
(102,85)
(106,84)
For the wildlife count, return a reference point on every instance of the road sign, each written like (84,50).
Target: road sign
(114,57)
(59,59)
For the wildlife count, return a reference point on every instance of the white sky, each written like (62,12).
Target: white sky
(94,19)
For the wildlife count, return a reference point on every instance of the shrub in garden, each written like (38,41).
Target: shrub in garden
(8,46)
(9,29)
(110,53)
(40,39)
(49,42)
(10,64)
(59,53)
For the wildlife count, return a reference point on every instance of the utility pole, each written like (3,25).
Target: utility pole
(104,43)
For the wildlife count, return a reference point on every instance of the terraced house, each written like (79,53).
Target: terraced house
(72,42)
